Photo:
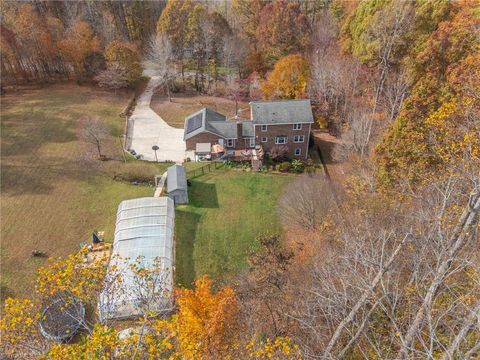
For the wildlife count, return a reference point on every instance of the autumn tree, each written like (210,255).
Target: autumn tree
(288,79)
(79,42)
(64,279)
(206,322)
(436,129)
(125,55)
(283,29)
(30,44)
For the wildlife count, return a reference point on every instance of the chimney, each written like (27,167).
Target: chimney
(239,130)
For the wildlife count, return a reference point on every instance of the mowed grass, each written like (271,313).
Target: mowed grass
(53,193)
(182,105)
(217,230)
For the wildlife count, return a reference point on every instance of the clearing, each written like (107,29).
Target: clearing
(217,230)
(53,194)
(174,112)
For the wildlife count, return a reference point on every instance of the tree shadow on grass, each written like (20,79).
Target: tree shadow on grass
(186,223)
(202,194)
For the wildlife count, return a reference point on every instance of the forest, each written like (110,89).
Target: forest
(381,259)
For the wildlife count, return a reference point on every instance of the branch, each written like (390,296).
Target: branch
(361,302)
(457,242)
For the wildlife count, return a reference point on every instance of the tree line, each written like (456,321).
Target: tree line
(383,263)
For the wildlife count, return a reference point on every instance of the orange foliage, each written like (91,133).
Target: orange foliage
(206,323)
(288,80)
(78,43)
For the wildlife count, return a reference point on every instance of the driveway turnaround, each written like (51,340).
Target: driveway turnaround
(147,129)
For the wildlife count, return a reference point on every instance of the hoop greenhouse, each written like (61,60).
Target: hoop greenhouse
(143,241)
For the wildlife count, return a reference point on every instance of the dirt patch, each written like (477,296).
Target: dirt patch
(326,143)
(182,105)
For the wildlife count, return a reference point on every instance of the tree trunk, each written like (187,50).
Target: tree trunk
(462,234)
(363,299)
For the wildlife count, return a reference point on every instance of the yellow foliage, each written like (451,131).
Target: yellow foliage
(288,80)
(281,348)
(71,276)
(205,325)
(102,344)
(18,323)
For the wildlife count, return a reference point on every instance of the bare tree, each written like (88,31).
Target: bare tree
(394,92)
(307,201)
(449,251)
(393,281)
(159,58)
(113,77)
(358,137)
(391,23)
(94,131)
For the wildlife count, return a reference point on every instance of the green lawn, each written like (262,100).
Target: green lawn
(53,195)
(217,230)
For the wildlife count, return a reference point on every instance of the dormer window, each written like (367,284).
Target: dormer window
(297,126)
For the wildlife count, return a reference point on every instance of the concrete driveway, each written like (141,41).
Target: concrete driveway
(146,129)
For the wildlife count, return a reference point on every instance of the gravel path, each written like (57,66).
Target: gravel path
(146,129)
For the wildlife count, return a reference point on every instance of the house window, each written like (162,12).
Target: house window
(298,152)
(264,128)
(298,138)
(297,126)
(230,142)
(279,140)
(264,139)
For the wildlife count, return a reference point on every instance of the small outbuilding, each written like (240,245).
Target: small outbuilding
(177,184)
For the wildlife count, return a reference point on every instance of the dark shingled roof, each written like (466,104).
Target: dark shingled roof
(214,122)
(281,112)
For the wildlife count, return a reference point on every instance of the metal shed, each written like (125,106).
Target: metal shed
(143,236)
(177,184)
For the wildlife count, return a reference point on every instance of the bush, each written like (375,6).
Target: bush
(135,173)
(279,152)
(230,164)
(310,169)
(284,166)
(297,166)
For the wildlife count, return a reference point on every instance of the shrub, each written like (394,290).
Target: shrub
(230,164)
(284,166)
(279,152)
(297,166)
(135,173)
(310,169)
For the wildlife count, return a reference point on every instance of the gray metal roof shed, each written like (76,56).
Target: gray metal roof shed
(143,236)
(177,187)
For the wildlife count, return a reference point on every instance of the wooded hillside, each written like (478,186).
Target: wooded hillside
(377,259)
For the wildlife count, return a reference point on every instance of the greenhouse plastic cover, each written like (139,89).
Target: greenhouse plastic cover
(143,234)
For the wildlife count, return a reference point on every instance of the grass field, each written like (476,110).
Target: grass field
(53,196)
(174,112)
(217,229)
